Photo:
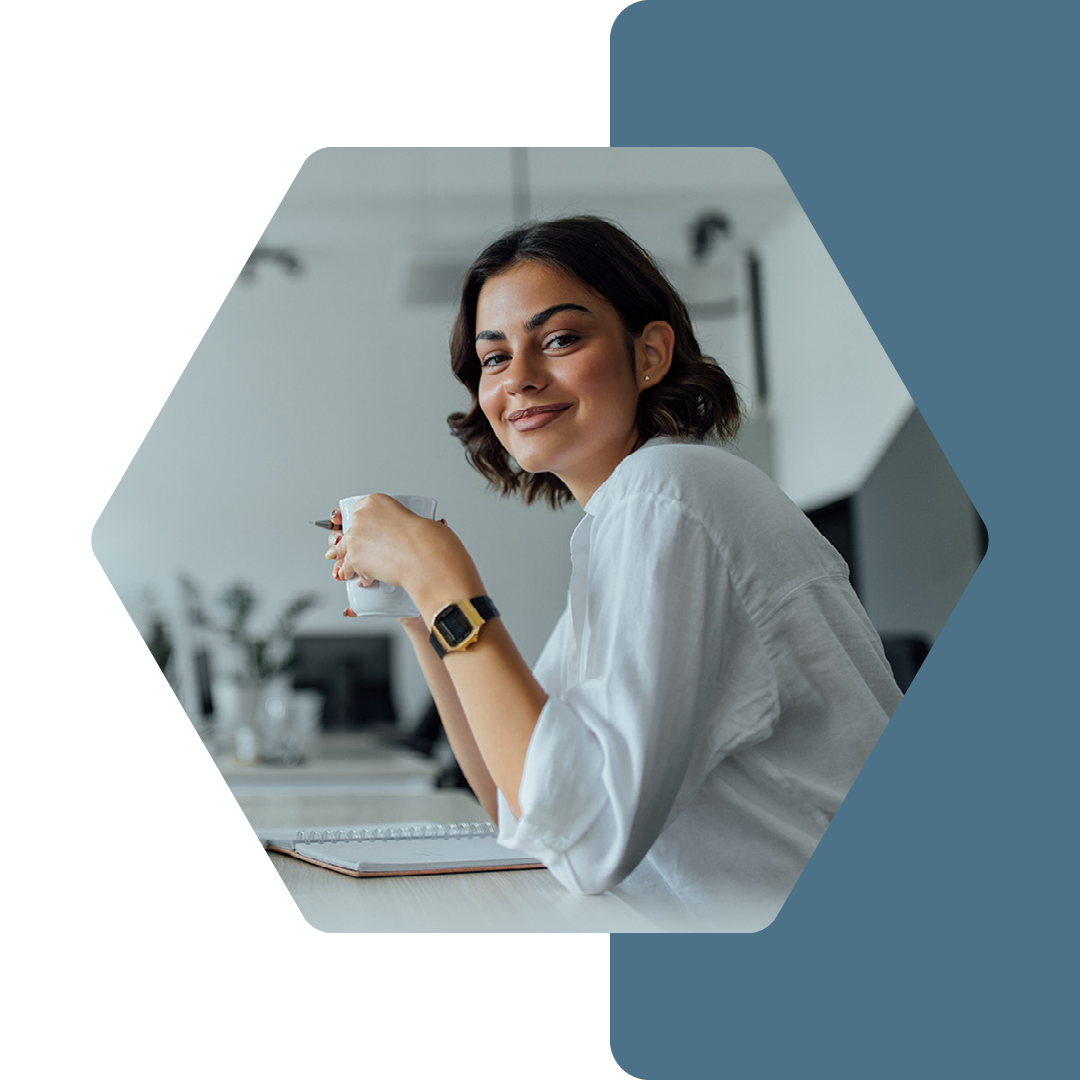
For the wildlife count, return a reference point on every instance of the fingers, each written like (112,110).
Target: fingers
(340,571)
(343,572)
(333,540)
(337,557)
(333,554)
(338,554)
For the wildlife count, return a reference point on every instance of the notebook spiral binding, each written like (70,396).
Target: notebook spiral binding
(462,829)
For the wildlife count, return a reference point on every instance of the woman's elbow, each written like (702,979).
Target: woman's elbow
(591,876)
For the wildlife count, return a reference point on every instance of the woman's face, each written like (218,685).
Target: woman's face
(559,382)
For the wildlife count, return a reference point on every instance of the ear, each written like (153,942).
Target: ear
(653,349)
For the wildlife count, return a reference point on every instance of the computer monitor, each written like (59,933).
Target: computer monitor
(353,672)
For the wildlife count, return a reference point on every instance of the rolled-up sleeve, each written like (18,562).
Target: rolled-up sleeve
(648,648)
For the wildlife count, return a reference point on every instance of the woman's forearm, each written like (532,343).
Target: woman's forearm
(491,702)
(499,699)
(453,718)
(502,701)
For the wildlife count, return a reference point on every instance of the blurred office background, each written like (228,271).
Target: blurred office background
(325,374)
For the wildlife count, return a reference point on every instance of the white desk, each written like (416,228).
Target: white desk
(339,763)
(501,901)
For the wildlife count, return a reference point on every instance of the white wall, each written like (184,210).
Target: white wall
(835,399)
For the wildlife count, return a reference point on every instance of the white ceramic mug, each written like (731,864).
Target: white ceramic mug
(382,598)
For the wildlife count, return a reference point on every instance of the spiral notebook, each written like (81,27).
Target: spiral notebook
(411,847)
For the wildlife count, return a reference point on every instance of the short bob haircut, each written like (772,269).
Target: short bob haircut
(695,398)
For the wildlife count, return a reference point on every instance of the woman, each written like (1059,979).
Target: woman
(713,686)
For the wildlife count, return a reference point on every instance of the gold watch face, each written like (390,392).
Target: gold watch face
(453,625)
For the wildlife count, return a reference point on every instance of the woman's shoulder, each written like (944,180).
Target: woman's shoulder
(751,522)
(700,476)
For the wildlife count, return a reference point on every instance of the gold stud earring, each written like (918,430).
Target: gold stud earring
(646,378)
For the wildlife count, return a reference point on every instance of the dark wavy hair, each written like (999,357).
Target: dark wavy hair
(694,399)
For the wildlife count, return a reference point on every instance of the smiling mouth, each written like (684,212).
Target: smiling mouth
(536,410)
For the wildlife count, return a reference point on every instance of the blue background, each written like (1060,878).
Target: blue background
(933,147)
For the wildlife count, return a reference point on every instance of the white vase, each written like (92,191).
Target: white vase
(246,743)
(235,710)
(273,718)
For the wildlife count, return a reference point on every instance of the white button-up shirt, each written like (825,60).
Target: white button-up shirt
(714,688)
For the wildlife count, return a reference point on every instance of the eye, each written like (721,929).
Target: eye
(492,360)
(562,340)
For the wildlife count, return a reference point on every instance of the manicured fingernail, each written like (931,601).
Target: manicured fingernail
(330,555)
(348,613)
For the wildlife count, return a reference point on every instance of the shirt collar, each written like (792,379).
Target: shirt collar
(596,501)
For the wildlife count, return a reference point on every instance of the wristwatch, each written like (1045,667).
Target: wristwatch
(458,625)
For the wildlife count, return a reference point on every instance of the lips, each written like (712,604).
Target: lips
(537,416)
(535,410)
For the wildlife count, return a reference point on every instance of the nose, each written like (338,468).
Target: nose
(525,373)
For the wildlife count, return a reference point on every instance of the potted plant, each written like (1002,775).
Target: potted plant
(265,657)
(254,663)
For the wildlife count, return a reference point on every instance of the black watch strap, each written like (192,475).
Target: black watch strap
(484,607)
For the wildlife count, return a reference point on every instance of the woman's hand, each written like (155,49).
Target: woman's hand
(381,543)
(336,554)
(387,542)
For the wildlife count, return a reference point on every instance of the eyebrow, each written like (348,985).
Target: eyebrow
(535,322)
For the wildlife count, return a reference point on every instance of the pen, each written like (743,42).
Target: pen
(325,525)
